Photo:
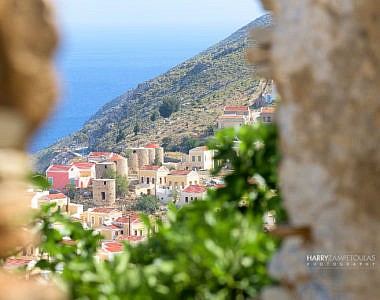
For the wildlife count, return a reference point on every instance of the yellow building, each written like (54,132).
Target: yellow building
(179,179)
(201,158)
(151,174)
(98,216)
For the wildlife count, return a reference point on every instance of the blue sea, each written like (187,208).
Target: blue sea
(98,64)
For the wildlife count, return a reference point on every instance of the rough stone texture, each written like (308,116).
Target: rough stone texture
(27,92)
(106,186)
(325,59)
(27,84)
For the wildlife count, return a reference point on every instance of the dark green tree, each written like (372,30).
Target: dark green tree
(166,142)
(147,203)
(120,136)
(168,106)
(71,190)
(121,181)
(136,128)
(154,116)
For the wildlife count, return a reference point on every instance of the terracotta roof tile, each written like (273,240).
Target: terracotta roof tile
(153,145)
(236,108)
(56,196)
(196,189)
(83,165)
(58,168)
(104,210)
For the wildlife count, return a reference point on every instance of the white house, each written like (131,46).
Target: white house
(191,193)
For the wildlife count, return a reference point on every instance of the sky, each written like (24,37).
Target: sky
(81,14)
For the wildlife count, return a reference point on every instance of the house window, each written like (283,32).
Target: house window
(152,180)
(50,179)
(183,185)
(160,180)
(103,195)
(147,180)
(142,179)
(195,182)
(92,220)
(105,167)
(72,181)
(100,220)
(193,158)
(141,232)
(135,232)
(104,182)
(196,198)
(199,158)
(187,199)
(176,184)
(190,183)
(191,198)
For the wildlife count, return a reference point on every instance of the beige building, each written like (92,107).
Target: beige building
(191,193)
(120,162)
(231,121)
(267,114)
(201,158)
(104,192)
(132,225)
(98,216)
(179,179)
(152,154)
(234,116)
(151,174)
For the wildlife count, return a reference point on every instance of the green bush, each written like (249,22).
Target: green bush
(168,106)
(211,249)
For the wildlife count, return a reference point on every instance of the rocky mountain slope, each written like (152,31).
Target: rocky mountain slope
(204,84)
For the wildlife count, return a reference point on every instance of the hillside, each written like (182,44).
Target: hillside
(203,84)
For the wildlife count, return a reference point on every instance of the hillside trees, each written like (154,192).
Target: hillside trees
(147,203)
(168,106)
(121,181)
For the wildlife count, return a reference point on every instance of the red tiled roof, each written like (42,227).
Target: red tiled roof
(267,109)
(179,172)
(16,262)
(132,238)
(56,196)
(83,165)
(153,145)
(200,148)
(113,227)
(231,117)
(122,220)
(58,168)
(150,167)
(113,246)
(195,189)
(104,209)
(116,156)
(236,108)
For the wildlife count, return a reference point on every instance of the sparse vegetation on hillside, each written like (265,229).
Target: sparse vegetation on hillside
(203,85)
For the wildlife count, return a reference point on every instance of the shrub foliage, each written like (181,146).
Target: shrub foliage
(212,249)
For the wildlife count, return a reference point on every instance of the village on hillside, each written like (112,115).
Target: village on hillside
(107,192)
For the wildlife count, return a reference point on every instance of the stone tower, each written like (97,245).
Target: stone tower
(104,192)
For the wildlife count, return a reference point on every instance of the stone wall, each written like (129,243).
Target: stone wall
(27,93)
(325,58)
(104,192)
